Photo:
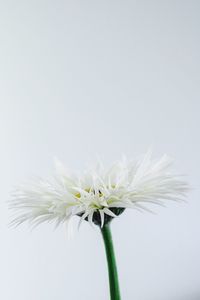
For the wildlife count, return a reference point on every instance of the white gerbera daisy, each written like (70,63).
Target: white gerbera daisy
(99,195)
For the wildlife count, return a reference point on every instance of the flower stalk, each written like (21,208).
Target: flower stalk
(111,261)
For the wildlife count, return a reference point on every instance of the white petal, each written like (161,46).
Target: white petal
(109,212)
(102,217)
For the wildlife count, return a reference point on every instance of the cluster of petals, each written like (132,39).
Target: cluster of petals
(126,184)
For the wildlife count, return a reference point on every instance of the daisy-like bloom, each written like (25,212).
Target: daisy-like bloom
(100,194)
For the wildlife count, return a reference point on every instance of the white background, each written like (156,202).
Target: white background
(85,78)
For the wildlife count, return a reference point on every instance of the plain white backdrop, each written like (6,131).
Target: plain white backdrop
(85,78)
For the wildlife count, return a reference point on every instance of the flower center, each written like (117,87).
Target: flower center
(89,190)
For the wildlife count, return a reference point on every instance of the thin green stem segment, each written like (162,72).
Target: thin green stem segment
(112,267)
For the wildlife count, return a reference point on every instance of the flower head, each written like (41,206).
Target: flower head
(100,194)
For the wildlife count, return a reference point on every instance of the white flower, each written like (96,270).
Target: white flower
(99,195)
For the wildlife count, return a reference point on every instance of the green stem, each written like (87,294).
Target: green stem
(112,267)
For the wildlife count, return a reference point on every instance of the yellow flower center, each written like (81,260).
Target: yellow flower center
(88,190)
